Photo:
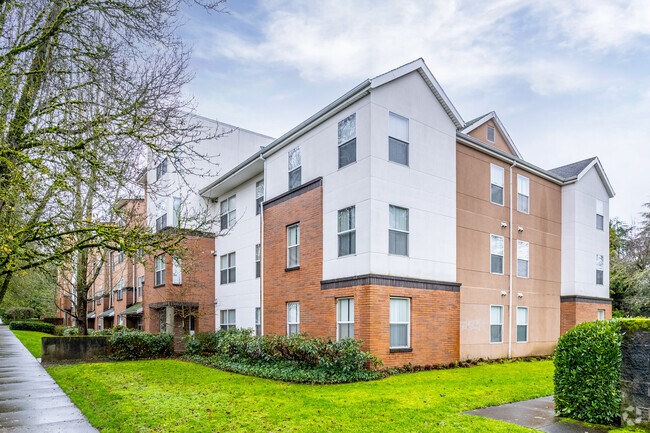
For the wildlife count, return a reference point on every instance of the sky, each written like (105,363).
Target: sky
(569,79)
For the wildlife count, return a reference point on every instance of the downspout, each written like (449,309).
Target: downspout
(262,253)
(514,163)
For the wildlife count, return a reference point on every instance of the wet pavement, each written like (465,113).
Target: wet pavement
(538,414)
(30,400)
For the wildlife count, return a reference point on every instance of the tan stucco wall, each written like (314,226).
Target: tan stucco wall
(480,133)
(477,218)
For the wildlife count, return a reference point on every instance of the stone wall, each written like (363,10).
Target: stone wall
(635,378)
(63,348)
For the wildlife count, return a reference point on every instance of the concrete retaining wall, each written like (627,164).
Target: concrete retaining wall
(635,378)
(61,348)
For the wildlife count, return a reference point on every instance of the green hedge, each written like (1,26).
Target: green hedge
(588,372)
(132,344)
(32,325)
(296,358)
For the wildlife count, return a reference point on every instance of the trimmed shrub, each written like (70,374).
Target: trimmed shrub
(588,372)
(32,325)
(19,313)
(69,331)
(133,344)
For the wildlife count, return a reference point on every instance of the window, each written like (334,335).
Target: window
(191,325)
(496,323)
(523,193)
(344,318)
(600,268)
(347,232)
(159,276)
(120,257)
(398,231)
(601,315)
(293,318)
(161,222)
(490,134)
(522,259)
(398,139)
(100,323)
(177,271)
(258,321)
(120,320)
(293,246)
(99,296)
(139,324)
(228,212)
(120,290)
(496,184)
(348,140)
(113,261)
(228,268)
(176,217)
(162,321)
(522,324)
(228,319)
(140,285)
(496,254)
(161,169)
(600,212)
(258,261)
(295,168)
(400,321)
(259,196)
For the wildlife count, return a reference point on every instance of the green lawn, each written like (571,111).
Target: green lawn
(31,340)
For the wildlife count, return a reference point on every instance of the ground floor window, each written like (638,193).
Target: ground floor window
(400,322)
(496,323)
(293,318)
(100,323)
(345,318)
(228,319)
(601,314)
(120,321)
(191,325)
(522,324)
(258,321)
(139,325)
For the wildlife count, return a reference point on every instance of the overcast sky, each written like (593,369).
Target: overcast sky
(570,79)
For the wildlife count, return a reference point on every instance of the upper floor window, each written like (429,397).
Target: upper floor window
(120,290)
(295,168)
(490,133)
(293,318)
(523,193)
(113,261)
(347,232)
(398,231)
(398,139)
(161,169)
(176,217)
(400,322)
(600,269)
(348,140)
(345,318)
(228,319)
(259,196)
(120,257)
(600,215)
(159,276)
(161,222)
(258,261)
(177,271)
(228,212)
(496,184)
(522,259)
(100,295)
(228,268)
(293,246)
(496,254)
(140,286)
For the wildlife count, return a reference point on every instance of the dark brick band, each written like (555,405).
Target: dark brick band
(305,187)
(587,299)
(386,280)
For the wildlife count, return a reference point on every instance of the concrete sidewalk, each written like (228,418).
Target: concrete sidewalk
(30,400)
(538,414)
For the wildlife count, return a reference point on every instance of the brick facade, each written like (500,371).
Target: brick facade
(576,309)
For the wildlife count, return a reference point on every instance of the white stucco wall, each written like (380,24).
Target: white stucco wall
(581,240)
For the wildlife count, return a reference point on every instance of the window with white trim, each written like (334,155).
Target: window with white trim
(496,323)
(259,196)
(293,318)
(228,212)
(161,169)
(344,318)
(398,230)
(100,323)
(228,319)
(347,233)
(191,325)
(120,289)
(120,320)
(176,216)
(161,222)
(258,321)
(293,246)
(140,286)
(177,271)
(258,261)
(523,194)
(398,139)
(490,133)
(601,315)
(600,269)
(496,254)
(120,257)
(400,322)
(100,295)
(295,168)
(522,324)
(497,176)
(600,215)
(113,261)
(228,268)
(159,276)
(347,140)
(522,259)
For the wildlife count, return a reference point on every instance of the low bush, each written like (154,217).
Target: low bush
(69,331)
(133,344)
(588,372)
(32,325)
(19,313)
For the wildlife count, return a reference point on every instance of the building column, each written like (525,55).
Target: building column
(169,319)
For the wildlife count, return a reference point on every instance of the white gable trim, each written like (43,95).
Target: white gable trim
(601,173)
(502,130)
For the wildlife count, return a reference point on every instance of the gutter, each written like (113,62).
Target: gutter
(510,274)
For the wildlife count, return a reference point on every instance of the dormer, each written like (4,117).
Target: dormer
(489,129)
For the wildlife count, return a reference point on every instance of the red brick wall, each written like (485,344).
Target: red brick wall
(573,313)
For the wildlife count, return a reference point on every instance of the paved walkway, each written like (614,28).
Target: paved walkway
(538,414)
(30,400)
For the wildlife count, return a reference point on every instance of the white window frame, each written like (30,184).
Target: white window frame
(177,271)
(407,143)
(258,261)
(600,212)
(339,321)
(191,325)
(601,258)
(259,196)
(394,229)
(161,222)
(503,256)
(297,321)
(140,286)
(291,246)
(120,289)
(351,231)
(176,211)
(161,168)
(230,268)
(347,141)
(258,321)
(228,324)
(521,243)
(228,215)
(407,323)
(487,133)
(600,314)
(291,169)
(496,324)
(159,273)
(521,181)
(495,170)
(522,324)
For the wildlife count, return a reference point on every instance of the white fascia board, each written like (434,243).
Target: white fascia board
(232,180)
(601,173)
(500,127)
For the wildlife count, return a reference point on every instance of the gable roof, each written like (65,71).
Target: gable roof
(573,169)
(492,115)
(573,172)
